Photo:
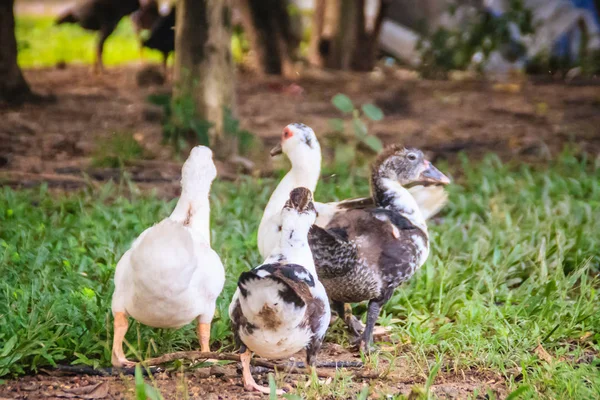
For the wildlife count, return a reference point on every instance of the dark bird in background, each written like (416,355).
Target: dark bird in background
(99,15)
(145,18)
(162,36)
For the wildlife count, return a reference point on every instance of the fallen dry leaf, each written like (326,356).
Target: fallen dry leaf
(96,391)
(507,87)
(543,354)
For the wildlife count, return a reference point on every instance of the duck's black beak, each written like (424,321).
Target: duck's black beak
(433,175)
(275,151)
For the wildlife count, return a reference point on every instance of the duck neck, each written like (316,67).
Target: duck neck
(304,173)
(193,211)
(390,194)
(293,246)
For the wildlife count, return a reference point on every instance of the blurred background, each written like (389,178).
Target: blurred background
(101,101)
(517,77)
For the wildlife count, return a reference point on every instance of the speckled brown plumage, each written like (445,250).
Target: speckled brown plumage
(366,251)
(359,258)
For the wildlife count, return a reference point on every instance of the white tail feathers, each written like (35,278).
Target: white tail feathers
(264,306)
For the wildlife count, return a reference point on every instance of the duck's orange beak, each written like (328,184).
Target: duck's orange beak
(433,175)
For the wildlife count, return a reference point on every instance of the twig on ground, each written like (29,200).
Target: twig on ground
(290,368)
(197,355)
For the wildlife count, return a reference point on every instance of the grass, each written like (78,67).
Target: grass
(514,265)
(41,43)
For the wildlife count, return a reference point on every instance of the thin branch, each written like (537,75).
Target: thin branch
(197,355)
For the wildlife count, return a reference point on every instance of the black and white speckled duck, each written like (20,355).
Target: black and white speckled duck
(281,307)
(364,254)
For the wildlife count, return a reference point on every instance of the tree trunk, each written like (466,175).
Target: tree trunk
(351,46)
(204,66)
(268,27)
(344,38)
(13,87)
(367,43)
(315,50)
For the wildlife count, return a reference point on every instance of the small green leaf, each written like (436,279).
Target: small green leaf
(360,129)
(364,394)
(272,387)
(374,143)
(152,393)
(372,112)
(140,385)
(342,103)
(9,346)
(336,124)
(518,392)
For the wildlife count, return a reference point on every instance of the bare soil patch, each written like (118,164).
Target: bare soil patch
(224,383)
(528,121)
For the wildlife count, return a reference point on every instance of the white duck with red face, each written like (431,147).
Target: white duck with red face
(299,143)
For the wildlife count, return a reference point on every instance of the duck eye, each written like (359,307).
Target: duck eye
(287,133)
(412,157)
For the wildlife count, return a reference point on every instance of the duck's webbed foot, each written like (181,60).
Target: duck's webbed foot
(355,327)
(249,382)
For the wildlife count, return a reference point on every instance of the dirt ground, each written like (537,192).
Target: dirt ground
(528,120)
(224,383)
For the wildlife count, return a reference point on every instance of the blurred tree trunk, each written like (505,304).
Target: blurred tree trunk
(348,45)
(315,49)
(344,37)
(13,87)
(269,28)
(204,66)
(367,43)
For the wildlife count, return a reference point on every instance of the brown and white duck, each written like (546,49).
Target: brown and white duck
(280,307)
(364,254)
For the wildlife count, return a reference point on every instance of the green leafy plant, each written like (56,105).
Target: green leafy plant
(514,263)
(359,120)
(244,139)
(116,150)
(182,125)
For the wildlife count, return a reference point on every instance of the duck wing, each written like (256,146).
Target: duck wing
(430,199)
(363,252)
(334,255)
(327,211)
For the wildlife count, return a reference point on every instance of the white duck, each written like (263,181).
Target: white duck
(170,275)
(301,146)
(281,307)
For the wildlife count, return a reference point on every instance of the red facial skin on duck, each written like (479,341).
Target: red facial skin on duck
(287,133)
